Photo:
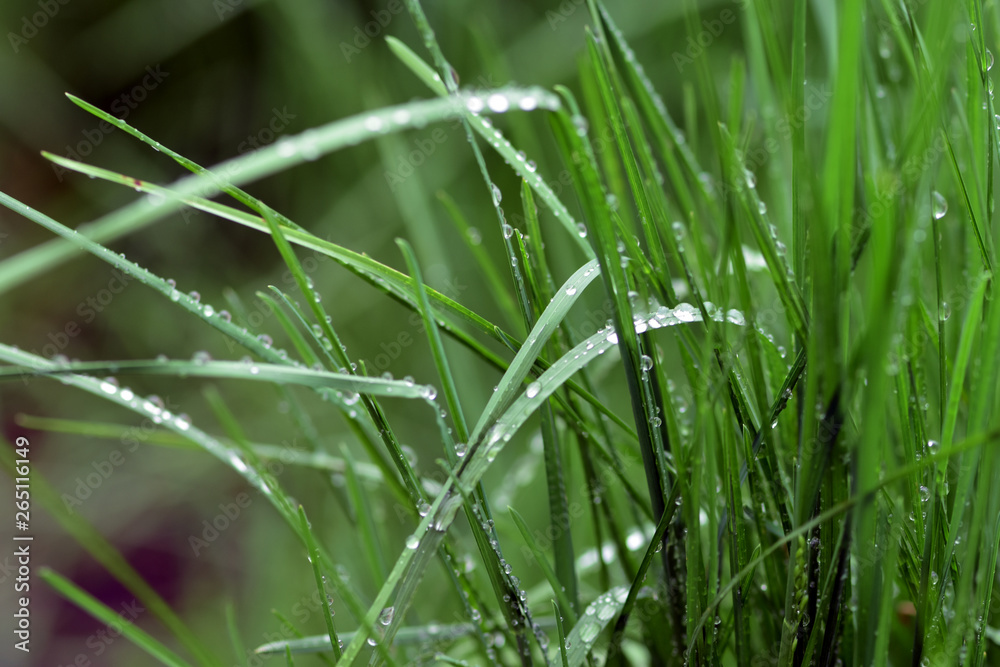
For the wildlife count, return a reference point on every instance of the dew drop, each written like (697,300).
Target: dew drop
(498,103)
(508,231)
(685,312)
(940,205)
(735,317)
(286,148)
(195,296)
(884,45)
(533,390)
(412,542)
(646,362)
(497,195)
(589,632)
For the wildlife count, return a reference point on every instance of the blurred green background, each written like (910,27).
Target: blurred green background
(211,79)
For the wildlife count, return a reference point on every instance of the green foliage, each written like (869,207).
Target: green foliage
(776,440)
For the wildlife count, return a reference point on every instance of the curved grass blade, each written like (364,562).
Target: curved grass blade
(108,556)
(408,568)
(583,636)
(396,284)
(516,159)
(407,635)
(281,155)
(523,361)
(242,370)
(101,612)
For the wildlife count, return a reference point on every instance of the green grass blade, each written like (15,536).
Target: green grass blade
(314,561)
(98,610)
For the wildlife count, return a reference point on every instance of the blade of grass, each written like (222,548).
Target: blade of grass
(101,612)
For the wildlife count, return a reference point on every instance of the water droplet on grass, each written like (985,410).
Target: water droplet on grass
(497,195)
(412,542)
(589,632)
(533,390)
(498,103)
(685,312)
(940,205)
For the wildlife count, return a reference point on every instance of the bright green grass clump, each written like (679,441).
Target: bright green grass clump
(775,444)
